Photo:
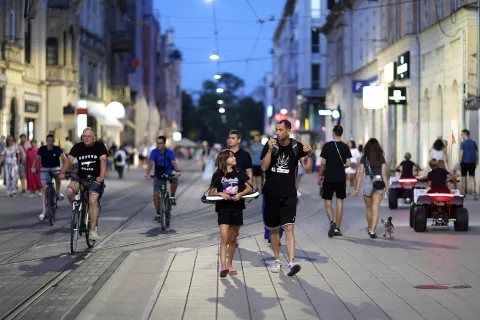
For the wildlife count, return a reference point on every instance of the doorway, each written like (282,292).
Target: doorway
(13,118)
(29,128)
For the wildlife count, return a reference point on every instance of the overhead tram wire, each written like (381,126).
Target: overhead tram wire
(215,32)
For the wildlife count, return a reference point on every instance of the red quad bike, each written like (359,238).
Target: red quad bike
(440,207)
(403,188)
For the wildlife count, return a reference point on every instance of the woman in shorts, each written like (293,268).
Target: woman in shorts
(231,184)
(373,168)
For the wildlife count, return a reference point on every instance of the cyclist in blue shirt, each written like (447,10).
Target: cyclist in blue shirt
(164,162)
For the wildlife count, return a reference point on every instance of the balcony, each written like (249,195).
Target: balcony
(119,93)
(11,52)
(62,74)
(121,41)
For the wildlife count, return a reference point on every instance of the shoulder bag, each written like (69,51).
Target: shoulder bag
(206,199)
(377,184)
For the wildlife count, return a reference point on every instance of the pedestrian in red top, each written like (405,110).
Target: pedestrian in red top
(33,179)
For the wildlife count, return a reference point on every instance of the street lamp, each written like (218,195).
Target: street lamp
(335,114)
(214,56)
(220,90)
(217,76)
(221,110)
(284,111)
(220,102)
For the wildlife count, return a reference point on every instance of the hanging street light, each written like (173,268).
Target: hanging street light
(217,76)
(220,90)
(221,110)
(220,102)
(214,56)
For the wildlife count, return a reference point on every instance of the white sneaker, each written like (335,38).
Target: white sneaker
(298,194)
(41,216)
(293,269)
(277,266)
(93,235)
(60,197)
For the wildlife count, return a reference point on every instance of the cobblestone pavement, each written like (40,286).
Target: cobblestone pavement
(139,272)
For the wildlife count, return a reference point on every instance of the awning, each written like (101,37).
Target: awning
(184,143)
(112,122)
(99,111)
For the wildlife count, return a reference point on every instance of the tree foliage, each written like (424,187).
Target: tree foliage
(205,122)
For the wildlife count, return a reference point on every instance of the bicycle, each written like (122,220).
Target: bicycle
(51,198)
(80,221)
(165,206)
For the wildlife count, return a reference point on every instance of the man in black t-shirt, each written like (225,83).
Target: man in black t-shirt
(244,159)
(335,158)
(92,162)
(280,161)
(49,156)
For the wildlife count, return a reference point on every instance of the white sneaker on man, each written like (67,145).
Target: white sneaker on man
(41,216)
(293,269)
(93,234)
(277,266)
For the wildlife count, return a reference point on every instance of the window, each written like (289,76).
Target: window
(72,46)
(52,51)
(12,34)
(408,18)
(64,48)
(439,7)
(426,20)
(315,40)
(454,5)
(178,91)
(28,43)
(315,76)
(316,13)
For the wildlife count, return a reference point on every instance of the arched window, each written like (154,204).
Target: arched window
(52,51)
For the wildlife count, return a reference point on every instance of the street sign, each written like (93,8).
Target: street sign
(397,95)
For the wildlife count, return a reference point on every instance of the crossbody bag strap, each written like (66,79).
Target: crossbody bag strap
(367,163)
(338,151)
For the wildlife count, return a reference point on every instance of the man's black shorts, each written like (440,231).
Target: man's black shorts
(257,171)
(230,217)
(339,188)
(95,187)
(279,212)
(468,168)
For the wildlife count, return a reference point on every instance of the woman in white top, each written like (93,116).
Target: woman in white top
(438,153)
(351,172)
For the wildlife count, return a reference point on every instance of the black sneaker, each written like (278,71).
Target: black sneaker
(337,232)
(373,235)
(293,269)
(331,231)
(368,230)
(173,201)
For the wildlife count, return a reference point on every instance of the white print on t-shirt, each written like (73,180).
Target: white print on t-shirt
(230,186)
(282,164)
(85,165)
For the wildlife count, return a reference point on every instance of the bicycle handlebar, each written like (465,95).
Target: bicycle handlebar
(68,175)
(163,177)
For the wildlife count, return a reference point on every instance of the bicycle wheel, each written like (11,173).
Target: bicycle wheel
(90,242)
(49,205)
(74,228)
(168,210)
(163,216)
(53,206)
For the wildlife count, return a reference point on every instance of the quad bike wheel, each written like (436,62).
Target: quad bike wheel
(412,215)
(392,199)
(461,222)
(420,219)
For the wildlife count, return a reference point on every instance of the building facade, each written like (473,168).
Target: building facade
(300,55)
(407,69)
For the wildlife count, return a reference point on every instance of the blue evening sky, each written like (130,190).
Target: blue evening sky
(237,31)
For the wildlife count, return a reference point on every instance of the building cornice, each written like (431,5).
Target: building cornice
(287,12)
(336,13)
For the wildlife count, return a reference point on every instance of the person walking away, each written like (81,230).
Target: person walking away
(209,164)
(49,156)
(318,152)
(23,146)
(407,167)
(231,184)
(34,184)
(120,161)
(279,161)
(351,172)
(11,160)
(244,160)
(373,177)
(2,148)
(298,179)
(336,157)
(68,146)
(256,151)
(468,162)
(437,152)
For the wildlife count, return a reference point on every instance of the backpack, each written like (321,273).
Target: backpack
(294,146)
(118,158)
